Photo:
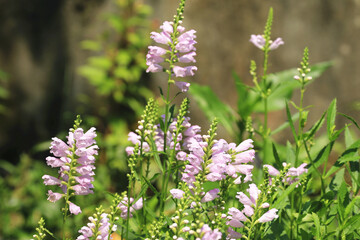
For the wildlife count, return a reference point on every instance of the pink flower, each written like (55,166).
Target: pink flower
(75,155)
(209,234)
(184,86)
(272,171)
(184,47)
(232,234)
(74,209)
(187,58)
(268,216)
(123,205)
(244,145)
(50,180)
(103,230)
(177,193)
(210,195)
(259,41)
(277,43)
(184,71)
(53,197)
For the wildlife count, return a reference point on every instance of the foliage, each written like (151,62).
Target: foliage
(182,184)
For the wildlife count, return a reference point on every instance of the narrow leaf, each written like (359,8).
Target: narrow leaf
(331,114)
(285,124)
(316,127)
(317,224)
(213,107)
(351,119)
(151,186)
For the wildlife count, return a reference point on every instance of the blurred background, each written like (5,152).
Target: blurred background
(61,58)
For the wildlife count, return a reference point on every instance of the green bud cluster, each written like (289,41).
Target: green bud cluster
(41,230)
(267,31)
(147,126)
(132,161)
(303,77)
(154,229)
(114,209)
(179,219)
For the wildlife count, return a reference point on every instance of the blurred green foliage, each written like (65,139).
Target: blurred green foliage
(116,71)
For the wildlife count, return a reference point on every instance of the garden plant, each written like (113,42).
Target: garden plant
(183,182)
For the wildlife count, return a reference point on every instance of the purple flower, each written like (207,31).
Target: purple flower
(208,234)
(177,193)
(187,58)
(184,86)
(103,229)
(74,209)
(184,71)
(76,156)
(277,43)
(268,216)
(259,41)
(185,51)
(53,197)
(210,195)
(232,234)
(272,171)
(123,205)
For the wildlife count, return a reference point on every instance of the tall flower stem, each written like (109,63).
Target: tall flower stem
(165,173)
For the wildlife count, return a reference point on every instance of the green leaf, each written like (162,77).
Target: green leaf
(283,86)
(350,154)
(210,186)
(315,127)
(352,224)
(317,225)
(351,119)
(321,157)
(150,185)
(349,207)
(281,198)
(211,105)
(348,159)
(245,104)
(331,114)
(290,153)
(276,156)
(285,124)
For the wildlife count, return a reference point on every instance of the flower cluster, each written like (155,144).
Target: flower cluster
(95,228)
(190,132)
(178,49)
(123,205)
(76,162)
(259,41)
(292,173)
(237,218)
(226,160)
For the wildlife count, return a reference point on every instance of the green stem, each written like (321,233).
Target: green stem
(164,176)
(316,170)
(300,125)
(265,91)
